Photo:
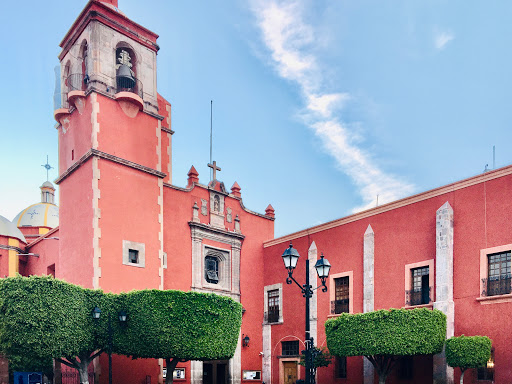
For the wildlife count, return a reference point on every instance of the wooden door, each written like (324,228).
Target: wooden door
(290,372)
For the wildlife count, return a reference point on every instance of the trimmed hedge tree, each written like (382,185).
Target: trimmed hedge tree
(467,352)
(46,318)
(178,326)
(384,335)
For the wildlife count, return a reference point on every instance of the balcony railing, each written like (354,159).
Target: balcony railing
(418,296)
(339,306)
(272,317)
(80,82)
(496,285)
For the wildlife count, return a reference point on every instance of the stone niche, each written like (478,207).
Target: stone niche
(217,209)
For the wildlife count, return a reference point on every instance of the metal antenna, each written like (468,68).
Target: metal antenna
(211,136)
(493,157)
(47,166)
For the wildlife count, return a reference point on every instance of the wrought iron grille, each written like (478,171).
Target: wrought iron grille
(290,348)
(496,285)
(272,317)
(339,306)
(418,296)
(72,377)
(81,82)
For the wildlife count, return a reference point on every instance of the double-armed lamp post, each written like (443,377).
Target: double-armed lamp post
(96,313)
(322,266)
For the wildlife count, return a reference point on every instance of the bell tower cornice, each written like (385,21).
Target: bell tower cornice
(107,14)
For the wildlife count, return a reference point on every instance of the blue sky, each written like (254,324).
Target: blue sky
(319,106)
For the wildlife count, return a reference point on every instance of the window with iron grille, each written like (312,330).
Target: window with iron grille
(211,269)
(420,289)
(487,371)
(133,256)
(273,306)
(341,295)
(290,348)
(498,278)
(340,367)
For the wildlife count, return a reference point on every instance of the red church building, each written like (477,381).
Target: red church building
(122,224)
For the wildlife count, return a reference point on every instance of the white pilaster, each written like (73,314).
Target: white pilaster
(368,290)
(443,374)
(313,256)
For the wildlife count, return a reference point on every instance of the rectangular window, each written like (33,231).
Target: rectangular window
(341,296)
(498,277)
(273,306)
(340,367)
(290,348)
(212,269)
(420,289)
(487,372)
(133,256)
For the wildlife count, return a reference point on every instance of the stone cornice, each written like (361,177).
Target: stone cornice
(103,155)
(478,179)
(217,234)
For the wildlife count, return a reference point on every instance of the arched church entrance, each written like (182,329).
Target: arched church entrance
(215,372)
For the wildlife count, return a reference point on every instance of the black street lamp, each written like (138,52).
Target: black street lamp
(96,313)
(322,266)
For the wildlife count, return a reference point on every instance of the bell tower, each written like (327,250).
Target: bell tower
(114,152)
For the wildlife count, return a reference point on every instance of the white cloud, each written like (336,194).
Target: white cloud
(442,38)
(289,40)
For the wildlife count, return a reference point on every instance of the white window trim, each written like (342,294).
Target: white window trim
(140,247)
(273,287)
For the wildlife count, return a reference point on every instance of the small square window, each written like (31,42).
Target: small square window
(498,274)
(133,256)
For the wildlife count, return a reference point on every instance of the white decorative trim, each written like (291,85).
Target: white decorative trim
(140,247)
(161,254)
(96,215)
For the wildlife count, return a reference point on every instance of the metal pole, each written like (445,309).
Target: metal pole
(109,349)
(307,356)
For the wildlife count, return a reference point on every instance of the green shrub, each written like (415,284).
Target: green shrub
(468,351)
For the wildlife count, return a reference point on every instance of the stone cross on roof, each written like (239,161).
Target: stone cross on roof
(215,169)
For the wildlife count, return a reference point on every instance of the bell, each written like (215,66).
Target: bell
(124,77)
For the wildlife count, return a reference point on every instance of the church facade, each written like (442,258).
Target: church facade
(121,224)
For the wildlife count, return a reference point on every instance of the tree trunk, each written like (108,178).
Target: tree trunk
(84,374)
(462,376)
(170,365)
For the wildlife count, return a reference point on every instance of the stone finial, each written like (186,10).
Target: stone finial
(269,211)
(235,190)
(193,177)
(195,213)
(237,224)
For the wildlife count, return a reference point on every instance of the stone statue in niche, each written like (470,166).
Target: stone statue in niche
(204,207)
(229,215)
(216,203)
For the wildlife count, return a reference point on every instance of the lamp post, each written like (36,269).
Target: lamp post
(322,266)
(96,313)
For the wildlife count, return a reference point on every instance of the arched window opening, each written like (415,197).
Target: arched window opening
(66,79)
(125,69)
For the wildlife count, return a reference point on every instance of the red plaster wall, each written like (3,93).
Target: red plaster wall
(76,228)
(75,135)
(133,139)
(48,251)
(4,257)
(129,211)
